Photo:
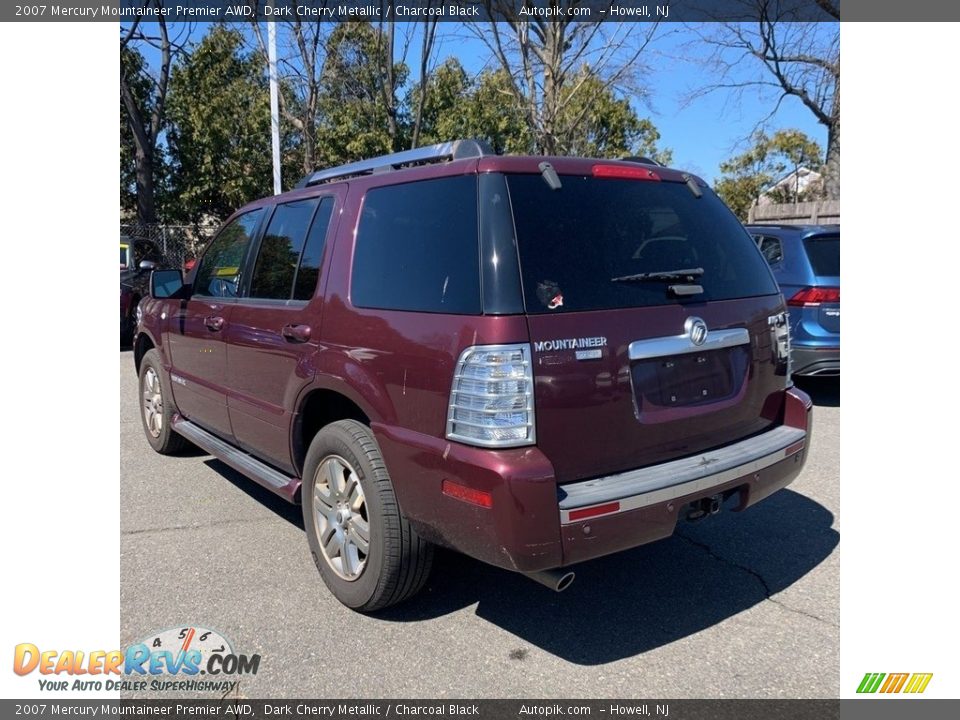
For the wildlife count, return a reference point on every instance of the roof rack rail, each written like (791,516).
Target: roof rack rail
(441,152)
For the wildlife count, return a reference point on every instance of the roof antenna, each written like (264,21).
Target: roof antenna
(550,176)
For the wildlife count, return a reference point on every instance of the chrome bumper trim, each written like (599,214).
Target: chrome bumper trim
(690,475)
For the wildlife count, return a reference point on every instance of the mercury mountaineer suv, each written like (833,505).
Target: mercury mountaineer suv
(534,361)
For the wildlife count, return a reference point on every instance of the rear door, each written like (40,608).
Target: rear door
(275,327)
(629,371)
(197,329)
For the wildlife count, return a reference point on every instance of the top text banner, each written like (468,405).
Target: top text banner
(648,11)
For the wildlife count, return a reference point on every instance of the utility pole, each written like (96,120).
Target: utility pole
(274,104)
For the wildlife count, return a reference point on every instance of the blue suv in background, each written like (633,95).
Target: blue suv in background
(805,259)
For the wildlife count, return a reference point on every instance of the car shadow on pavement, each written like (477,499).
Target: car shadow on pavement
(629,603)
(824,391)
(290,513)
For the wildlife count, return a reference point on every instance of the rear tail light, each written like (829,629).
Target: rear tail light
(624,172)
(813,296)
(491,401)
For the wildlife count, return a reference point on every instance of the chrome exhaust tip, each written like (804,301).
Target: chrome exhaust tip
(557,580)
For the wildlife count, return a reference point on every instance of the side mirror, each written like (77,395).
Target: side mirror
(165,283)
(148,265)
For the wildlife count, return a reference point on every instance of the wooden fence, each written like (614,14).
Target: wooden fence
(822,212)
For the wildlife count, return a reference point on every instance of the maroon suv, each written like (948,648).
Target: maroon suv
(535,361)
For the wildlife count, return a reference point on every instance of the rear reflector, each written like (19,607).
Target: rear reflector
(470,495)
(589,512)
(620,171)
(813,296)
(794,449)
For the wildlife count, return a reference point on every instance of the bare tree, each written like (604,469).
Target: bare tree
(146,115)
(301,68)
(793,59)
(427,40)
(394,54)
(545,58)
(387,76)
(300,64)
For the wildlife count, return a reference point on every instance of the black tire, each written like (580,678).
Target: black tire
(163,439)
(398,561)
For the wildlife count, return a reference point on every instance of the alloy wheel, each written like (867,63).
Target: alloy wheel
(152,402)
(342,525)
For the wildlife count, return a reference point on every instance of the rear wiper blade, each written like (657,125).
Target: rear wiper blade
(681,274)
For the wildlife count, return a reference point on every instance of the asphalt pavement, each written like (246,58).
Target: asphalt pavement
(738,605)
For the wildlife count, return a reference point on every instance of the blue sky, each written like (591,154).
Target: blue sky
(702,134)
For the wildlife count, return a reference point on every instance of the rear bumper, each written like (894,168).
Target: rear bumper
(811,360)
(704,474)
(534,524)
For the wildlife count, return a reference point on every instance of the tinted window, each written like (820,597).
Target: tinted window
(309,271)
(417,248)
(220,268)
(280,250)
(771,249)
(574,240)
(824,254)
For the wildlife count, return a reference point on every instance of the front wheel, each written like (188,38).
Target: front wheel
(365,550)
(156,407)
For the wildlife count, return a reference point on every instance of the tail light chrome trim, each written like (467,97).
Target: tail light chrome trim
(492,392)
(783,352)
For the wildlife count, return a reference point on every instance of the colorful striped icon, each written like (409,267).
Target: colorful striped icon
(894,682)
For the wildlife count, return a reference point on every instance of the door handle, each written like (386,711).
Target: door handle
(296,333)
(214,323)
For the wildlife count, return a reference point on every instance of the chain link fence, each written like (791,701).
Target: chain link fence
(169,245)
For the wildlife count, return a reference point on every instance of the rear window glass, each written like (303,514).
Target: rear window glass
(575,240)
(824,254)
(418,249)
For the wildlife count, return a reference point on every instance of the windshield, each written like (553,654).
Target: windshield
(578,243)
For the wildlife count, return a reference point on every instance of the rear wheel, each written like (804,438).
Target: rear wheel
(365,550)
(156,407)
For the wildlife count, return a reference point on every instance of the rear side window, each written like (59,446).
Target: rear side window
(575,240)
(220,268)
(771,249)
(824,254)
(280,250)
(417,248)
(309,271)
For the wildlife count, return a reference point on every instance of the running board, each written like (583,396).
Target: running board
(271,478)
